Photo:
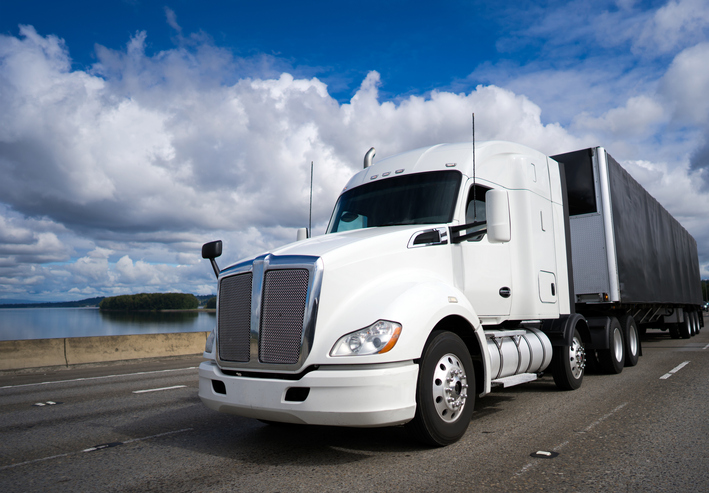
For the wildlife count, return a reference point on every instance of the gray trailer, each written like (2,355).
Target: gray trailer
(634,265)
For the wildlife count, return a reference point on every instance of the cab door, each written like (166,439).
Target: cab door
(484,270)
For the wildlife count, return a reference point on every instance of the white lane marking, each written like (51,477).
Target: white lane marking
(707,346)
(674,370)
(157,390)
(35,460)
(603,418)
(97,378)
(558,448)
(98,447)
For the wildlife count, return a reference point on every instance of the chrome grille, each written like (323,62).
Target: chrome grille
(284,296)
(235,318)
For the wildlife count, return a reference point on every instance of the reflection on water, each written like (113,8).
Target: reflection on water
(50,323)
(143,318)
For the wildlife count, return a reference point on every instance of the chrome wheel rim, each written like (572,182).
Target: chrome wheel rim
(617,344)
(633,340)
(450,388)
(577,358)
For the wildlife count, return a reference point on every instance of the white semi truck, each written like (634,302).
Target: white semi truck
(446,271)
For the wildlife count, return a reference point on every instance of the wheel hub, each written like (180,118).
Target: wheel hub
(450,388)
(577,358)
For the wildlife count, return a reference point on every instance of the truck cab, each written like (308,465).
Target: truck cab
(443,272)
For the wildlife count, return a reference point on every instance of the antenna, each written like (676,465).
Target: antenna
(475,186)
(310,215)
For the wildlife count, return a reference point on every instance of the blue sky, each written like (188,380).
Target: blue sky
(339,42)
(132,132)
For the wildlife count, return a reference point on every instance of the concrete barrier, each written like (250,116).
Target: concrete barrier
(16,355)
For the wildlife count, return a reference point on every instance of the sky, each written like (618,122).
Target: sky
(132,132)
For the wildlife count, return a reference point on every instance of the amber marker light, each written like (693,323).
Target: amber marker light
(392,342)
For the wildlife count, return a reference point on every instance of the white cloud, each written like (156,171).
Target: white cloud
(639,117)
(677,24)
(118,174)
(686,85)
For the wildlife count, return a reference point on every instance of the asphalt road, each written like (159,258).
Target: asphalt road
(636,431)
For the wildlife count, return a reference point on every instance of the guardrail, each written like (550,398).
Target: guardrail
(36,353)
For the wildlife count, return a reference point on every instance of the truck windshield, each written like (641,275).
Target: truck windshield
(420,198)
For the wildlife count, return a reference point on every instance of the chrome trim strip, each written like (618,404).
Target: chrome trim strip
(607,209)
(443,235)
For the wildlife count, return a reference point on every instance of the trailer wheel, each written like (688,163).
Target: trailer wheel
(695,323)
(632,340)
(568,364)
(674,330)
(685,327)
(700,320)
(445,394)
(612,359)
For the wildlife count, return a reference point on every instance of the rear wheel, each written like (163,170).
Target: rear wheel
(445,394)
(685,327)
(612,359)
(700,320)
(674,330)
(695,323)
(632,340)
(568,364)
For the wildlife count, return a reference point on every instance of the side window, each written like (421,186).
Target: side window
(475,210)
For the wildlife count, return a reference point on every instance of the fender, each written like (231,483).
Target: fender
(418,307)
(561,330)
(600,331)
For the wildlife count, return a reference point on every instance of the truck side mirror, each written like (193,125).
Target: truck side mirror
(301,234)
(499,228)
(212,250)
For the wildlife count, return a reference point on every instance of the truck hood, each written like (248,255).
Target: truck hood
(350,246)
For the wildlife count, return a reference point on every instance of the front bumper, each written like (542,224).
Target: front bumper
(374,395)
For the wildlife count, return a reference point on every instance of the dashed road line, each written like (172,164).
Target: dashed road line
(96,447)
(674,370)
(157,390)
(97,378)
(530,465)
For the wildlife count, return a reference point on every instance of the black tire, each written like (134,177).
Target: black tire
(674,330)
(568,364)
(685,327)
(695,323)
(612,359)
(632,340)
(446,369)
(700,320)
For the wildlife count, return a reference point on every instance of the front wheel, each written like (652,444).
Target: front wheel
(568,364)
(445,394)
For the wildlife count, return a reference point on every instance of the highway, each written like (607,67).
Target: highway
(141,427)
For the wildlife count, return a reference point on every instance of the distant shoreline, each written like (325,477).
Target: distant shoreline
(87,303)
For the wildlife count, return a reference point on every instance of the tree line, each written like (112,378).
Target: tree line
(150,301)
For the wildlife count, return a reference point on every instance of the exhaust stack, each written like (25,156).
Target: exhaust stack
(368,157)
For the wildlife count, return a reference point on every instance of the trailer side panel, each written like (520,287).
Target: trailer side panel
(657,257)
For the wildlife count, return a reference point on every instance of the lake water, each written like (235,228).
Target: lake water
(49,323)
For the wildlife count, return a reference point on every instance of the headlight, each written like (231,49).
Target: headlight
(378,338)
(210,341)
